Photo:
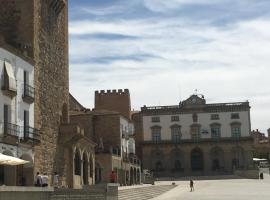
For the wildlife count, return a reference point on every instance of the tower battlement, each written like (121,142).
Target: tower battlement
(114,91)
(114,100)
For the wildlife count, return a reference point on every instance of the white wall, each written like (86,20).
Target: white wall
(204,119)
(127,128)
(17,104)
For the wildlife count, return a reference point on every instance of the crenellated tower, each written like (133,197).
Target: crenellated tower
(114,100)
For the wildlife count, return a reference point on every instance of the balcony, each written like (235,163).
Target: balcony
(31,134)
(28,93)
(10,133)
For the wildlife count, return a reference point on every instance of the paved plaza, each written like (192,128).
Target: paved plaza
(233,189)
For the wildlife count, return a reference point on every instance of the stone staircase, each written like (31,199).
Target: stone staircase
(77,195)
(143,193)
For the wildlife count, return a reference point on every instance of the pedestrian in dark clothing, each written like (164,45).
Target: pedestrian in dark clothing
(261,175)
(191,184)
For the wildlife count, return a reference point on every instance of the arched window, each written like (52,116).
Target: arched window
(176,133)
(156,134)
(77,163)
(236,130)
(215,131)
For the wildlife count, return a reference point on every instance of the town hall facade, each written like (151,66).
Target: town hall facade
(195,138)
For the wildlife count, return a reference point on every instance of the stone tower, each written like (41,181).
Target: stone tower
(39,29)
(114,100)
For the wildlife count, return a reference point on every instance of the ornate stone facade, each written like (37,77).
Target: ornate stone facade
(195,138)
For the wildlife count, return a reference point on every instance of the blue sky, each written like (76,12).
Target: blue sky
(162,50)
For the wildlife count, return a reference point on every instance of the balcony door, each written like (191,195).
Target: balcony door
(7,118)
(26,123)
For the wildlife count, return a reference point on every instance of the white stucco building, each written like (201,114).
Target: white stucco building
(17,132)
(196,137)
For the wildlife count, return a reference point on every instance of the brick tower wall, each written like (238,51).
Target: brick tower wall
(114,100)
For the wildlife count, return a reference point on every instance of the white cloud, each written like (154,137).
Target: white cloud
(163,6)
(226,64)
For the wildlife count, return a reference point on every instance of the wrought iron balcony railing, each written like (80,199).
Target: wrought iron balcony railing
(10,129)
(28,93)
(31,133)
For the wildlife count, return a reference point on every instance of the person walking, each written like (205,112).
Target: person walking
(191,184)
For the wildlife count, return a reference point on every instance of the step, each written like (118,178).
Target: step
(143,193)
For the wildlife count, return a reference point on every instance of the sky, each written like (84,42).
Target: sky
(164,50)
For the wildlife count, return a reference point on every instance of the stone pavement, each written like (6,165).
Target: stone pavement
(240,189)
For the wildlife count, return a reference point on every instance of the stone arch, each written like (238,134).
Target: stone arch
(217,158)
(77,162)
(138,179)
(196,158)
(238,159)
(91,165)
(85,168)
(177,160)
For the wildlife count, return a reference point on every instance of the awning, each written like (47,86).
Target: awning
(11,77)
(259,159)
(9,160)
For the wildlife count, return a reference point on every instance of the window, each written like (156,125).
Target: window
(236,131)
(195,132)
(156,134)
(176,133)
(7,114)
(25,77)
(214,116)
(155,119)
(174,118)
(235,116)
(215,131)
(26,123)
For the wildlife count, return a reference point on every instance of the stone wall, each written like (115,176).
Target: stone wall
(137,120)
(51,82)
(185,150)
(107,127)
(16,24)
(74,105)
(114,100)
(85,121)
